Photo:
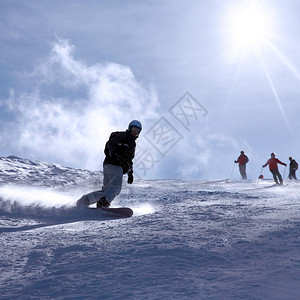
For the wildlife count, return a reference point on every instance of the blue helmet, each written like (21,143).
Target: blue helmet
(135,123)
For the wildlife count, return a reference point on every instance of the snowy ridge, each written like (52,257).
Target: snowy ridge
(17,170)
(186,240)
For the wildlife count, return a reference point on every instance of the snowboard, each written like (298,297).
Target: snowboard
(119,212)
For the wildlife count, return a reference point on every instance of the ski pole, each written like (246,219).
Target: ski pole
(284,172)
(231,171)
(259,175)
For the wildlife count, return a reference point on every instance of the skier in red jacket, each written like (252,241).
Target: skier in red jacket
(272,162)
(242,160)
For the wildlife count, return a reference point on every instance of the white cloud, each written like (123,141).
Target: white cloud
(205,154)
(74,130)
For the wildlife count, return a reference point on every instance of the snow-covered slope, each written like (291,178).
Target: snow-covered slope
(187,240)
(26,172)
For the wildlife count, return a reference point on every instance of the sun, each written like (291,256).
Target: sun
(249,26)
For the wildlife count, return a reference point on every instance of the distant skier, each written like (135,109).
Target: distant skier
(119,152)
(293,168)
(272,162)
(242,161)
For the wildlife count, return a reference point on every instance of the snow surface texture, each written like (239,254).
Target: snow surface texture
(186,240)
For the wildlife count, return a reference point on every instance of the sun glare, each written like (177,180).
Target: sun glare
(248,26)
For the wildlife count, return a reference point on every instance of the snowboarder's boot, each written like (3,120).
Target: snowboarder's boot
(103,202)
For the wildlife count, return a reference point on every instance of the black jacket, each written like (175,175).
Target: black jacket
(120,149)
(293,165)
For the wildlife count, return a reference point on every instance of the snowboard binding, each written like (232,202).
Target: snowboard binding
(103,202)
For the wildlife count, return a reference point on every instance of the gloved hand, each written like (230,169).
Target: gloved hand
(130,178)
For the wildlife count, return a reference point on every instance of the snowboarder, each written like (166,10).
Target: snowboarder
(119,152)
(272,162)
(293,168)
(242,161)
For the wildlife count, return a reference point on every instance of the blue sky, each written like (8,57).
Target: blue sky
(73,71)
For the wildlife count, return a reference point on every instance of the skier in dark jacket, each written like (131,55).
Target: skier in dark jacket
(272,162)
(119,152)
(293,168)
(242,161)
